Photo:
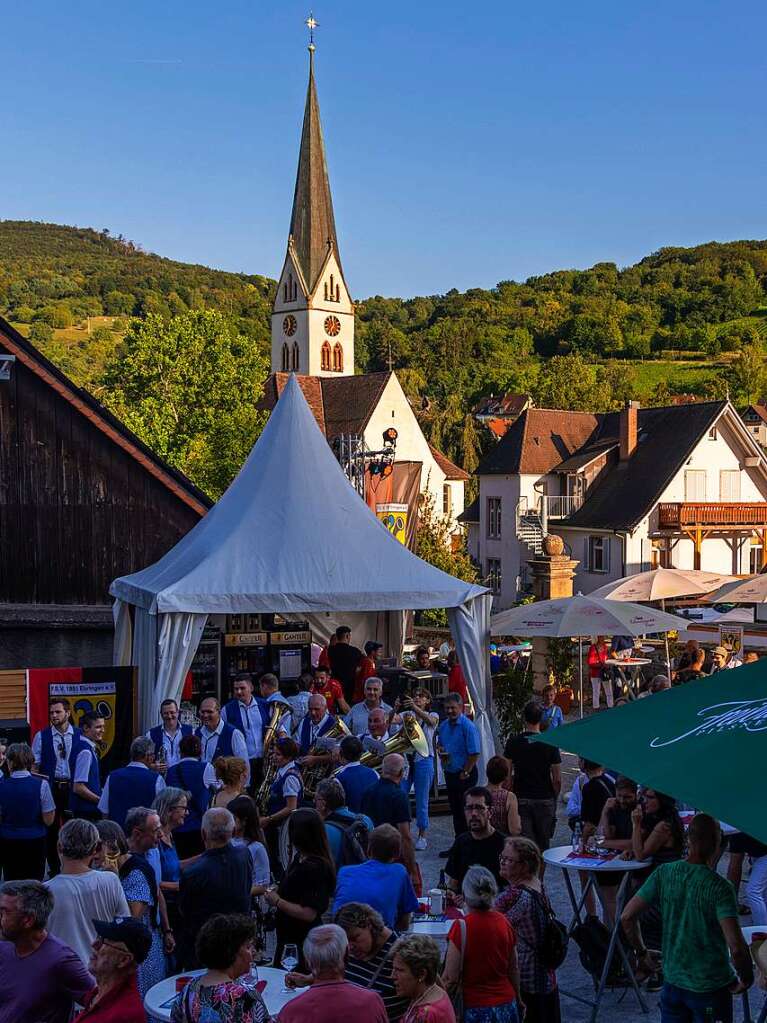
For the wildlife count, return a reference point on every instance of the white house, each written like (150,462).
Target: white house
(313,336)
(682,486)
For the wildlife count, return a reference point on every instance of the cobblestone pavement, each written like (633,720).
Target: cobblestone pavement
(620,1005)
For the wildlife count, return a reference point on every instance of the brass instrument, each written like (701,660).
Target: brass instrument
(312,776)
(409,739)
(280,710)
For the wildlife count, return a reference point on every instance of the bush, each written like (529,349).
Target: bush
(511,692)
(41,333)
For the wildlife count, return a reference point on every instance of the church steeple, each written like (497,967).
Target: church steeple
(313,314)
(312,224)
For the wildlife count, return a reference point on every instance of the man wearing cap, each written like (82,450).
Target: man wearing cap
(366,668)
(119,947)
(721,653)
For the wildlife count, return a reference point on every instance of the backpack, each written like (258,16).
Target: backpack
(593,940)
(354,839)
(552,950)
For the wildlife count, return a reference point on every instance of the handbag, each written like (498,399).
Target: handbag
(552,949)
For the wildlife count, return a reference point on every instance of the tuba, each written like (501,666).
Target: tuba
(314,775)
(280,710)
(409,739)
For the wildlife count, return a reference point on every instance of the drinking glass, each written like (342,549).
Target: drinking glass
(289,961)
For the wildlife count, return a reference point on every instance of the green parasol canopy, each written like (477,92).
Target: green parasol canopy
(705,743)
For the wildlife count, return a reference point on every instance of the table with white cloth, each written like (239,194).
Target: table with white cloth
(565,860)
(634,666)
(438,929)
(748,934)
(158,1001)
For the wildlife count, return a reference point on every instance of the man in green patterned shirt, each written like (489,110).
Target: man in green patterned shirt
(702,940)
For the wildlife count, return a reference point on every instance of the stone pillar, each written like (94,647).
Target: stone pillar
(553,573)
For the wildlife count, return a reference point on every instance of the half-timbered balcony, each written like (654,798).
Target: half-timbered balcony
(722,515)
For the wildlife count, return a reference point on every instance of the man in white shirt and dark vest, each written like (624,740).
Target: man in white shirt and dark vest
(52,750)
(167,736)
(249,714)
(218,738)
(84,765)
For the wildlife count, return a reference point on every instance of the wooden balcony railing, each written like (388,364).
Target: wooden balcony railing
(724,514)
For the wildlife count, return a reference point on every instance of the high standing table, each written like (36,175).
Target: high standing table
(158,999)
(634,666)
(558,858)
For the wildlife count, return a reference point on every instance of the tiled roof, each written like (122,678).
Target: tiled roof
(276,383)
(450,469)
(339,404)
(758,410)
(665,438)
(470,514)
(538,441)
(509,405)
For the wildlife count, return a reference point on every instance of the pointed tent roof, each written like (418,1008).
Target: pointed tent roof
(312,224)
(291,534)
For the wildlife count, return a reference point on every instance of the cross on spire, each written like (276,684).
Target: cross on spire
(311,23)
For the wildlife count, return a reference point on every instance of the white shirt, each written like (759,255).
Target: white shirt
(172,745)
(62,763)
(79,899)
(83,762)
(253,724)
(444,650)
(104,800)
(209,740)
(46,797)
(292,785)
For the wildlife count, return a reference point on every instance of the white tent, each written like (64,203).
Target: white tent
(292,536)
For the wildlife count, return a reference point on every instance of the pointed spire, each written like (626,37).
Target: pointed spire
(312,225)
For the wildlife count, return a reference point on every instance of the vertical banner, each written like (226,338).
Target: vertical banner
(109,692)
(401,488)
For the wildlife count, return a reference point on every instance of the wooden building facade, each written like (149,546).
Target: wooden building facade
(82,501)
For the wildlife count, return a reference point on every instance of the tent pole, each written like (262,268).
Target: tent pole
(665,637)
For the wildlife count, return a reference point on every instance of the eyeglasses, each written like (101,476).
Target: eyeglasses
(118,948)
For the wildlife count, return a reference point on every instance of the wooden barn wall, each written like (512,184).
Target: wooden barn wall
(75,509)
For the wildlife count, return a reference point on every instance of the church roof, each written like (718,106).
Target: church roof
(339,404)
(312,224)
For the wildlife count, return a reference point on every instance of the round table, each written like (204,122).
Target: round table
(558,857)
(158,999)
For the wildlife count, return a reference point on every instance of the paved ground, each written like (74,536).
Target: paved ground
(620,1005)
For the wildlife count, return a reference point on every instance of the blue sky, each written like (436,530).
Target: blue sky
(467,143)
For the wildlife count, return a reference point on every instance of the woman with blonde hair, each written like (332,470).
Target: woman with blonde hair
(415,969)
(231,772)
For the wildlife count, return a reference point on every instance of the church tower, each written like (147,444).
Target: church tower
(313,314)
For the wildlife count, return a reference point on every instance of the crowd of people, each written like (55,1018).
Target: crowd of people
(265,819)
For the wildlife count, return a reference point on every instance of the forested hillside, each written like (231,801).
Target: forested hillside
(680,321)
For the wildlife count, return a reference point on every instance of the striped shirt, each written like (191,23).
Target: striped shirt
(362,972)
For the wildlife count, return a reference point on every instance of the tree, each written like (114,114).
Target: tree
(435,544)
(189,387)
(747,374)
(569,382)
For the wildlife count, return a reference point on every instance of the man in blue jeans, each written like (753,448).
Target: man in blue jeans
(458,747)
(702,940)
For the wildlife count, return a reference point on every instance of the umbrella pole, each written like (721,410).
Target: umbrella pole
(580,669)
(665,637)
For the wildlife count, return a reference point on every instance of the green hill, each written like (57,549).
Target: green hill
(672,323)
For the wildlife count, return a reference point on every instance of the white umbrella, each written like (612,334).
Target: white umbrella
(662,584)
(582,616)
(752,590)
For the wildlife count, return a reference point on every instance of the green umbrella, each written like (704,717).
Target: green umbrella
(705,743)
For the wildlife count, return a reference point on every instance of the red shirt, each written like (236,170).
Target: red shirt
(365,669)
(456,682)
(332,693)
(120,1005)
(490,940)
(340,1001)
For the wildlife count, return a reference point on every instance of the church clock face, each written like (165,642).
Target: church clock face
(332,326)
(289,325)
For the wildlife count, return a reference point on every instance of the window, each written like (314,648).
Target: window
(285,358)
(447,501)
(325,357)
(756,558)
(494,574)
(295,356)
(494,518)
(660,554)
(338,358)
(695,484)
(729,485)
(598,554)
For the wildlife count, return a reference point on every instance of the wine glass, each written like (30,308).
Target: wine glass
(289,961)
